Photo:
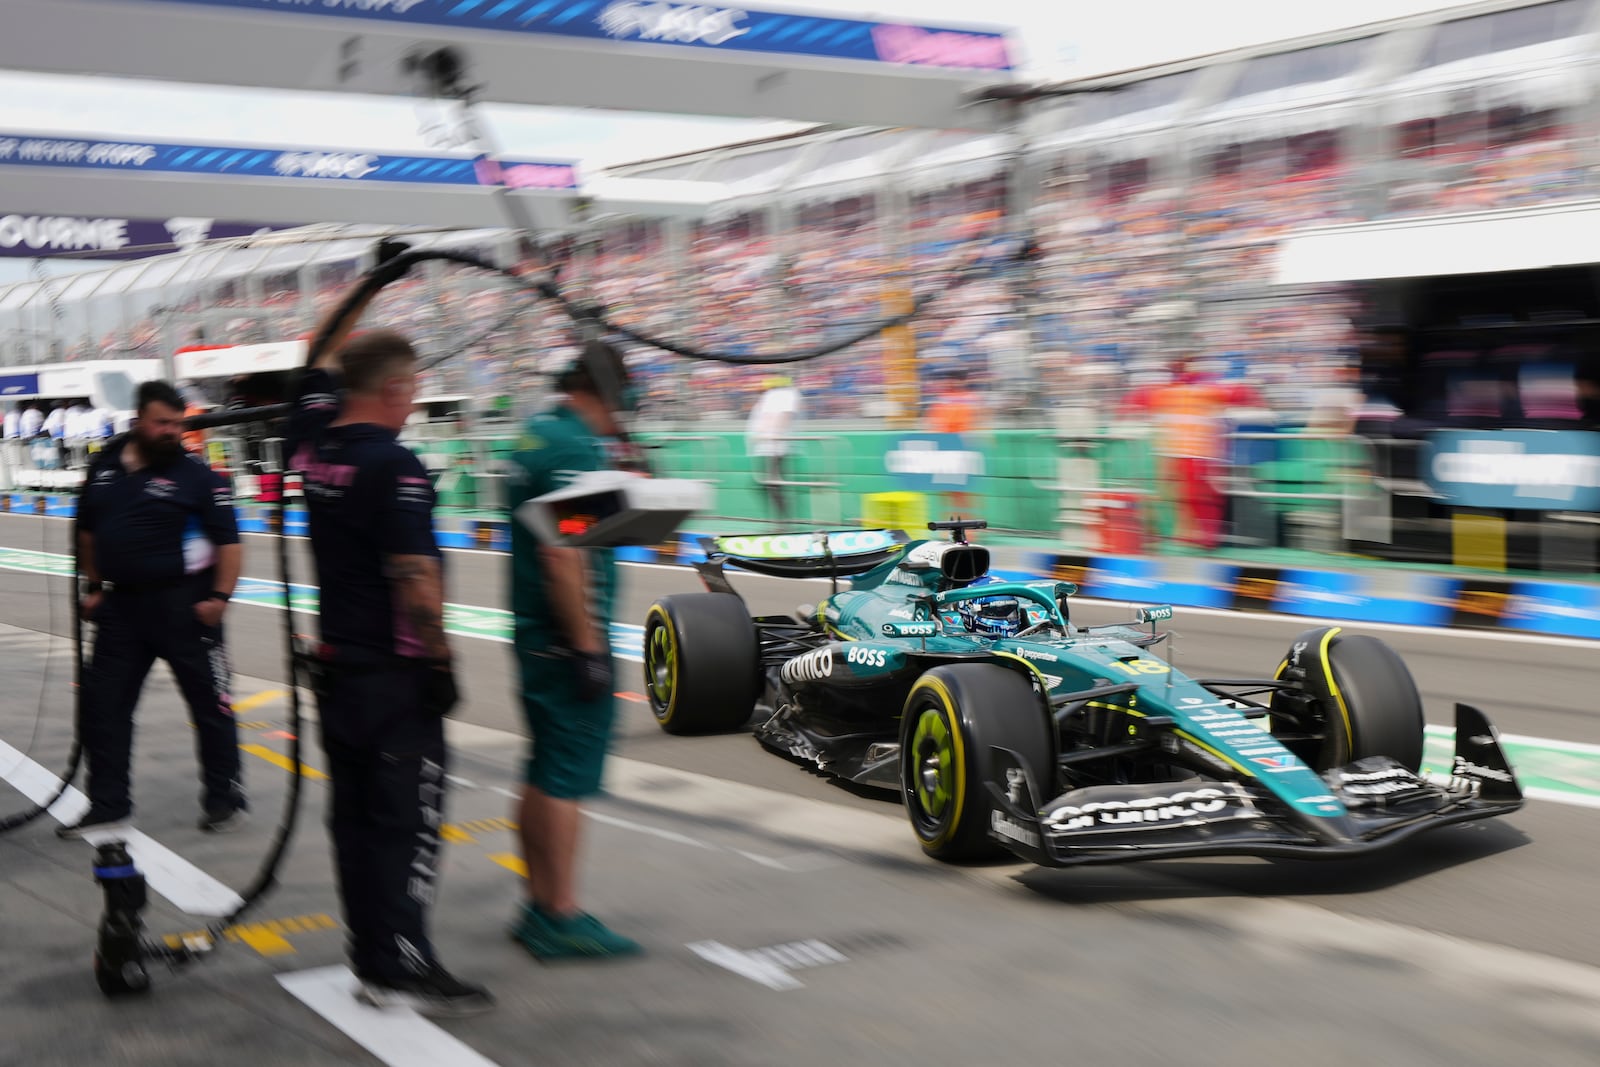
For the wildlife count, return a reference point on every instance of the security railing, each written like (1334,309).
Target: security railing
(1098,490)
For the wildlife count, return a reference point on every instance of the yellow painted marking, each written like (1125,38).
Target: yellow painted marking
(256,724)
(455,835)
(277,760)
(255,700)
(512,863)
(265,941)
(327,922)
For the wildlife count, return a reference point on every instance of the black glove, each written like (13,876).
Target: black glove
(386,270)
(593,673)
(439,692)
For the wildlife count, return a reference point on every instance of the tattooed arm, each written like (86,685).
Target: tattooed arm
(419,583)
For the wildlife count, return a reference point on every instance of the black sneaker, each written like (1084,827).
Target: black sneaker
(94,819)
(223,820)
(437,994)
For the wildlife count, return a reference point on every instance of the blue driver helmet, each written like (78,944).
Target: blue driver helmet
(994,616)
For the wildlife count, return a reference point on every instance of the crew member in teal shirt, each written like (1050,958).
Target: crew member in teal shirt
(562,602)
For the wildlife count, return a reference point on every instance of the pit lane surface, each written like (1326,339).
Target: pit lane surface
(1329,958)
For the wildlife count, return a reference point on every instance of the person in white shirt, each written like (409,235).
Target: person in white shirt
(102,422)
(32,421)
(768,438)
(55,423)
(13,423)
(77,421)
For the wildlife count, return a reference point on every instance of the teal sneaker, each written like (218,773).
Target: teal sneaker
(580,936)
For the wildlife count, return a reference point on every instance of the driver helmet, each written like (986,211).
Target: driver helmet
(994,616)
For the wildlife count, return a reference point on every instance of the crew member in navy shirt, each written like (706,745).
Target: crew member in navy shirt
(383,672)
(159,545)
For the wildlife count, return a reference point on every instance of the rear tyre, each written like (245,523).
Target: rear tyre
(702,663)
(1359,695)
(954,716)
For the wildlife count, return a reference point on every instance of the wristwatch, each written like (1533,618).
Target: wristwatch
(91,588)
(214,595)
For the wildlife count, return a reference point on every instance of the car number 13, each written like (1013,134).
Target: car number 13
(867,657)
(1137,667)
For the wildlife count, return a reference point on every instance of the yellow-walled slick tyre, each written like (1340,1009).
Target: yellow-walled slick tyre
(702,667)
(952,716)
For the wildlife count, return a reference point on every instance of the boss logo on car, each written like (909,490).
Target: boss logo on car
(866,657)
(811,667)
(910,629)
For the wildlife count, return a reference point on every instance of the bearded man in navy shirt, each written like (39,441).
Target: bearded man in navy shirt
(159,545)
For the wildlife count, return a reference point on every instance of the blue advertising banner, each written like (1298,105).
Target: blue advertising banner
(290,164)
(686,25)
(1354,597)
(36,236)
(933,462)
(19,384)
(1555,608)
(1148,581)
(1540,470)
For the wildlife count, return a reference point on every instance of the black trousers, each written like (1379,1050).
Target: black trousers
(775,473)
(133,630)
(386,757)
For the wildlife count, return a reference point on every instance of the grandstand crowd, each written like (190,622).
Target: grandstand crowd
(1134,262)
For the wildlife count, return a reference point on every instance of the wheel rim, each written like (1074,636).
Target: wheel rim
(932,770)
(661,669)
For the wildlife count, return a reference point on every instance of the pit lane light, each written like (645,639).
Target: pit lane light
(609,509)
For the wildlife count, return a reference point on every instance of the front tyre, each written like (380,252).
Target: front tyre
(1359,698)
(952,718)
(702,663)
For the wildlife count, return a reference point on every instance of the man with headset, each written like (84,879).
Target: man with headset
(562,600)
(383,671)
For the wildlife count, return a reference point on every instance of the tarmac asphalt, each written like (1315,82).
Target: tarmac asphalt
(788,920)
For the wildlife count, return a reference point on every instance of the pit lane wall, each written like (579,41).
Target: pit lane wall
(1346,594)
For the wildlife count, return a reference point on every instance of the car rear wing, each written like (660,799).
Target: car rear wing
(807,554)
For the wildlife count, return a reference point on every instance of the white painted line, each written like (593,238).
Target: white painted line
(397,1036)
(770,966)
(1514,637)
(1561,796)
(665,835)
(190,889)
(758,969)
(765,861)
(1571,748)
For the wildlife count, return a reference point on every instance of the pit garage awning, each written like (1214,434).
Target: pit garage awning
(1478,243)
(63,174)
(679,58)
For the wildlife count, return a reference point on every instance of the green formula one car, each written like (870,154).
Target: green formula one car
(1001,723)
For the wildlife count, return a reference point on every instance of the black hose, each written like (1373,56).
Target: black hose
(75,757)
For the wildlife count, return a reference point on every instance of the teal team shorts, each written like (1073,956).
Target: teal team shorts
(568,737)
